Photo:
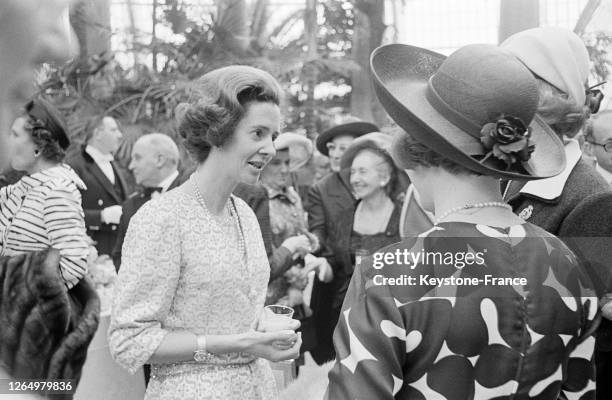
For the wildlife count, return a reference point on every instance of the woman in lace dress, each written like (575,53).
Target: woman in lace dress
(194,270)
(484,305)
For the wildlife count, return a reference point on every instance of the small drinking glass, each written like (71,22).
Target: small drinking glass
(276,317)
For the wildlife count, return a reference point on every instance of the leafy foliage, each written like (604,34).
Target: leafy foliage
(144,99)
(598,45)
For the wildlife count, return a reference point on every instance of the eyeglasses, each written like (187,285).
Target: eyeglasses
(607,146)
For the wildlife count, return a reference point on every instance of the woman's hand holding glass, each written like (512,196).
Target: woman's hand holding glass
(274,337)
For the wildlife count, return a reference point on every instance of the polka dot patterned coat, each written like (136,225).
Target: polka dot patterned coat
(423,337)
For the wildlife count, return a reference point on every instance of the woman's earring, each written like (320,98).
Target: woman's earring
(36,153)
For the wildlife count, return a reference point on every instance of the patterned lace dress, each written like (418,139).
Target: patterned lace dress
(183,271)
(465,338)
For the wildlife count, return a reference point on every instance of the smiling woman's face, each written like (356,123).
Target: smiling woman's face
(368,174)
(251,147)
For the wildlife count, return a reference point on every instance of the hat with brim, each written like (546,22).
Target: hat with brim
(447,103)
(377,141)
(300,149)
(354,129)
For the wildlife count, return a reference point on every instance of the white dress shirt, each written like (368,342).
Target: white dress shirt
(165,184)
(103,161)
(607,175)
(551,188)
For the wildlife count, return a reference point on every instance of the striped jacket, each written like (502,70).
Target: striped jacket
(44,210)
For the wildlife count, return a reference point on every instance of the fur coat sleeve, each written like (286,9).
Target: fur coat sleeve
(45,328)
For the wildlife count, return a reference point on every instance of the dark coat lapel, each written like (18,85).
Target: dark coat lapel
(342,193)
(119,175)
(345,177)
(101,177)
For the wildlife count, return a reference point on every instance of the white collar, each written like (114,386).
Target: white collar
(98,156)
(607,175)
(413,195)
(551,188)
(165,184)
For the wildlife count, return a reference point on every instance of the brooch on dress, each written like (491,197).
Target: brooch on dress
(526,212)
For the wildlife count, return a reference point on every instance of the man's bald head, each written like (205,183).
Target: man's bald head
(155,156)
(160,143)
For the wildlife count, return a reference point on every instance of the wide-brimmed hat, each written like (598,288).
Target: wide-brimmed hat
(300,148)
(377,141)
(477,108)
(354,129)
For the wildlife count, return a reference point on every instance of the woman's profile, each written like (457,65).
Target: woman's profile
(43,209)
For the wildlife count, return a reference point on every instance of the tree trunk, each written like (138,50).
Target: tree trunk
(79,22)
(585,16)
(516,16)
(90,20)
(133,34)
(154,35)
(310,70)
(369,28)
(232,27)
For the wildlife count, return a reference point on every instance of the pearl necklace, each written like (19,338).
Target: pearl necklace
(475,205)
(233,214)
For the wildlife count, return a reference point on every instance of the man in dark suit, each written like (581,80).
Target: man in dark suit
(154,163)
(106,184)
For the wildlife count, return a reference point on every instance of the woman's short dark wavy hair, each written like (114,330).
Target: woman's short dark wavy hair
(47,145)
(218,103)
(47,129)
(410,153)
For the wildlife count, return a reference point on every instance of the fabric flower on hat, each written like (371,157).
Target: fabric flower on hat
(507,139)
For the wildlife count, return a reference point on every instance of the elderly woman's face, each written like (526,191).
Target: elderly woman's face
(276,173)
(367,176)
(23,149)
(251,146)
